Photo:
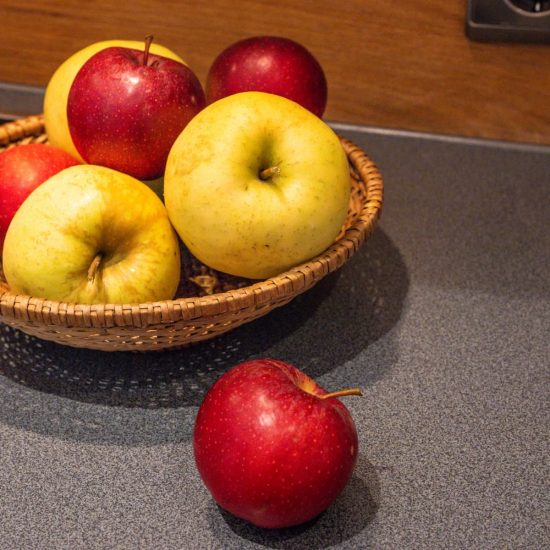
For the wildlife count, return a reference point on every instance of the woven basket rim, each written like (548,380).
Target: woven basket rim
(294,280)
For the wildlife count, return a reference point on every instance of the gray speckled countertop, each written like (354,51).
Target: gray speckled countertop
(442,318)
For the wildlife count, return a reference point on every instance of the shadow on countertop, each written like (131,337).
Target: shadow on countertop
(353,510)
(318,331)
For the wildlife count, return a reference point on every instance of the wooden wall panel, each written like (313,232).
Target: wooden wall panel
(398,65)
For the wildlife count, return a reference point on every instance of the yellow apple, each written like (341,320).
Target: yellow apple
(91,235)
(57,90)
(256,184)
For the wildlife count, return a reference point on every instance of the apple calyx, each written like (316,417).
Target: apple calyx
(268,173)
(94,268)
(341,393)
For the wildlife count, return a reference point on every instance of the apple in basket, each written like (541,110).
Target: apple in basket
(90,234)
(22,169)
(269,64)
(271,194)
(57,90)
(272,446)
(126,107)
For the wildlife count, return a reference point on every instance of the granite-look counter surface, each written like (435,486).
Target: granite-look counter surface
(442,318)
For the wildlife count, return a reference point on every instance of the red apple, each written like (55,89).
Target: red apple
(22,169)
(272,446)
(269,64)
(126,108)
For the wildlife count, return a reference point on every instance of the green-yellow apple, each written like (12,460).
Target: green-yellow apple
(90,235)
(256,184)
(57,90)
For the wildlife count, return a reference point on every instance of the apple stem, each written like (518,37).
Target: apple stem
(342,393)
(148,40)
(268,173)
(94,266)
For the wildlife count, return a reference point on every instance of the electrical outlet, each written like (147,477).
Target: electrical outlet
(508,20)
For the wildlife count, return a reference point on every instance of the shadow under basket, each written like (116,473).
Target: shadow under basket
(208,303)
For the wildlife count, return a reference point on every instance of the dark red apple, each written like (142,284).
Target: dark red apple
(269,64)
(272,446)
(126,108)
(22,169)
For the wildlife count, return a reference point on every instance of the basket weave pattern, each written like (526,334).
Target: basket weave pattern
(195,314)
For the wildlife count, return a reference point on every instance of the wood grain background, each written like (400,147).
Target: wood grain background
(399,65)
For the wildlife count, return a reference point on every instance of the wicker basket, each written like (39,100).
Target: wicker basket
(207,303)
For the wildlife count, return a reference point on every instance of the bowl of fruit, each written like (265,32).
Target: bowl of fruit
(143,212)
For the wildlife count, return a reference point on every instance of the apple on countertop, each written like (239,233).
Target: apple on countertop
(272,446)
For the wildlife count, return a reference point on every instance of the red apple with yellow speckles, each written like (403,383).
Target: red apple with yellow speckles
(271,64)
(272,446)
(127,107)
(23,169)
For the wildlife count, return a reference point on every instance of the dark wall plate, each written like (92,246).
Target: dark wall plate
(508,20)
